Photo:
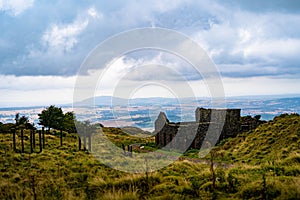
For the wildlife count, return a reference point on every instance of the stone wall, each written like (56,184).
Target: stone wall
(231,123)
(192,134)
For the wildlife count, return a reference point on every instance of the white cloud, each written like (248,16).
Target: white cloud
(260,86)
(45,97)
(58,49)
(250,44)
(244,35)
(133,13)
(148,77)
(26,83)
(94,13)
(280,48)
(15,7)
(62,38)
(35,90)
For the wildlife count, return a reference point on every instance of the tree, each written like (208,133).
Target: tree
(85,131)
(69,122)
(21,120)
(51,117)
(257,117)
(17,119)
(1,127)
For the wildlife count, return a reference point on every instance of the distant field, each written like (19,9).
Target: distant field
(143,112)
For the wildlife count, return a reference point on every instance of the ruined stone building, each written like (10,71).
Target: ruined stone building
(195,132)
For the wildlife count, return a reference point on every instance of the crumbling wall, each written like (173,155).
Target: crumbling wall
(249,123)
(193,133)
(232,119)
(166,134)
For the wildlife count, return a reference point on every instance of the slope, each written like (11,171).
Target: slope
(275,141)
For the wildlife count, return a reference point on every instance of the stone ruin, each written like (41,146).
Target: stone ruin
(195,132)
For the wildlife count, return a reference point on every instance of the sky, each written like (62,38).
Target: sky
(254,44)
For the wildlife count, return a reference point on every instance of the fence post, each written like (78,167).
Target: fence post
(40,139)
(79,142)
(31,141)
(84,138)
(61,135)
(33,137)
(90,142)
(22,140)
(43,134)
(14,140)
(130,150)
(123,147)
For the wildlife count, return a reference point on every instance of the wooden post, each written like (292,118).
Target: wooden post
(90,142)
(31,141)
(22,140)
(40,139)
(14,140)
(130,150)
(43,135)
(79,142)
(84,138)
(33,138)
(123,147)
(61,135)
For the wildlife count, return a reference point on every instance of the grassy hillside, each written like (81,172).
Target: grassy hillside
(275,141)
(119,137)
(267,157)
(261,164)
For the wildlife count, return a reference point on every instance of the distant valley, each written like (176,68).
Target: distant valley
(142,112)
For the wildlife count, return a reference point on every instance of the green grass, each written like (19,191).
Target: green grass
(118,137)
(261,164)
(274,142)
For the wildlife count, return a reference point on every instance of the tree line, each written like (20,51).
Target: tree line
(51,117)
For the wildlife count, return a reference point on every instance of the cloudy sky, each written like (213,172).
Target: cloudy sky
(254,44)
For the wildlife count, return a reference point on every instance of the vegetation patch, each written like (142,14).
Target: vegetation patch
(260,164)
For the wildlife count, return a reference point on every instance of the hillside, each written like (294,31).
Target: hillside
(261,164)
(275,141)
